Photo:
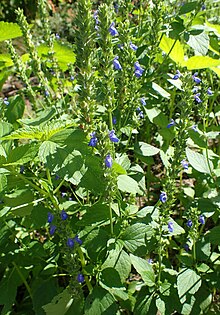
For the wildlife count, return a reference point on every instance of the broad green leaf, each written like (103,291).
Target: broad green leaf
(15,109)
(144,269)
(22,154)
(152,113)
(6,60)
(177,229)
(134,236)
(201,62)
(60,304)
(188,283)
(8,288)
(43,294)
(46,149)
(118,168)
(109,278)
(145,149)
(100,302)
(173,48)
(9,30)
(63,54)
(200,43)
(127,184)
(145,303)
(199,162)
(214,235)
(20,201)
(119,260)
(96,242)
(188,7)
(94,214)
(42,117)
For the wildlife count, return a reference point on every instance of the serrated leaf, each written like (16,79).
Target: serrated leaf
(9,30)
(119,260)
(127,184)
(169,45)
(201,62)
(198,161)
(63,54)
(22,154)
(214,27)
(46,149)
(200,43)
(134,236)
(188,283)
(144,269)
(214,235)
(60,304)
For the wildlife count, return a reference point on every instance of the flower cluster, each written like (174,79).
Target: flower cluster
(93,141)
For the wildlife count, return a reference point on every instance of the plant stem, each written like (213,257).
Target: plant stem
(110,217)
(23,279)
(83,263)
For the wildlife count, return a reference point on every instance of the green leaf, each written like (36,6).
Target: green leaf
(145,303)
(214,27)
(15,109)
(20,202)
(160,90)
(109,277)
(177,52)
(200,43)
(43,294)
(96,243)
(201,62)
(94,214)
(63,54)
(3,183)
(42,117)
(8,288)
(134,236)
(214,235)
(100,302)
(60,304)
(144,269)
(127,184)
(22,154)
(46,149)
(9,30)
(198,161)
(119,260)
(145,149)
(188,7)
(188,283)
(6,60)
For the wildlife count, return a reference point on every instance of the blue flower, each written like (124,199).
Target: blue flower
(52,229)
(50,217)
(189,223)
(194,128)
(72,78)
(196,79)
(57,36)
(114,120)
(112,30)
(171,124)
(80,278)
(77,240)
(150,261)
(197,98)
(142,100)
(70,242)
(46,93)
(163,196)
(108,161)
(186,247)
(185,164)
(22,168)
(112,136)
(63,194)
(209,91)
(201,219)
(95,15)
(170,227)
(133,46)
(195,89)
(93,141)
(5,101)
(138,69)
(57,177)
(116,64)
(116,7)
(177,75)
(63,215)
